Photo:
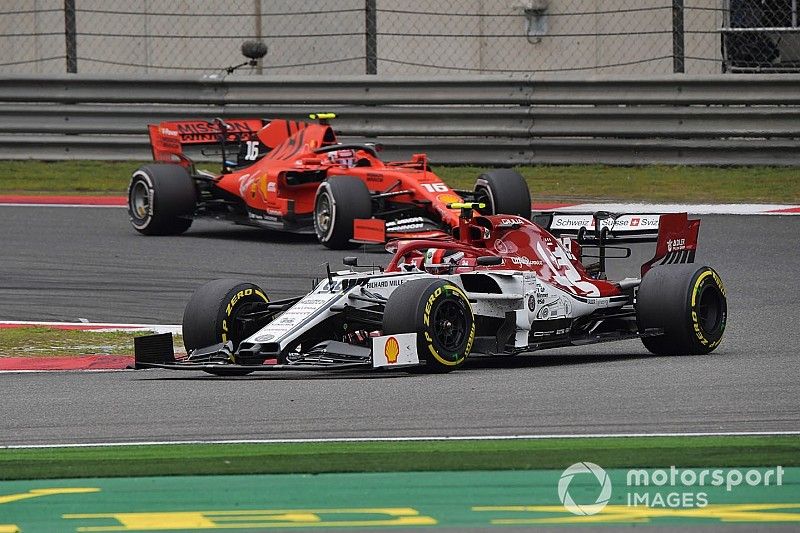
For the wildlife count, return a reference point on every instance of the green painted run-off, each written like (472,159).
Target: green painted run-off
(348,501)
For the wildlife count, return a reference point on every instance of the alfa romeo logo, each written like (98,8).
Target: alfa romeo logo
(584,509)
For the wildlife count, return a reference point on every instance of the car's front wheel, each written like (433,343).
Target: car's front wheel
(441,316)
(218,312)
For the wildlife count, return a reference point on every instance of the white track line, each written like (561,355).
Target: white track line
(96,326)
(692,209)
(84,370)
(407,439)
(2,204)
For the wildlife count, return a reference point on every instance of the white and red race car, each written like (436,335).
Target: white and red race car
(501,285)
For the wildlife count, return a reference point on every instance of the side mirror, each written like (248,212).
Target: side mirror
(489,260)
(350,261)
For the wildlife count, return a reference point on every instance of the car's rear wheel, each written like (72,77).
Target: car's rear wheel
(161,199)
(688,303)
(216,313)
(339,202)
(441,315)
(504,192)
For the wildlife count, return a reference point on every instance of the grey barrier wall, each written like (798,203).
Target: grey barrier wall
(508,120)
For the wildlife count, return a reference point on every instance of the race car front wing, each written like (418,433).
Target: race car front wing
(156,351)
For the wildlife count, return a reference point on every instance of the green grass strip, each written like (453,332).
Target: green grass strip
(199,459)
(42,341)
(655,183)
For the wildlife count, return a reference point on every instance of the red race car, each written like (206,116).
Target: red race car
(295,176)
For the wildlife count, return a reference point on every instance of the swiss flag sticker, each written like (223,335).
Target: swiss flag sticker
(634,221)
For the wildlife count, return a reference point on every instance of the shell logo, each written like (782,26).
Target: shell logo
(391,350)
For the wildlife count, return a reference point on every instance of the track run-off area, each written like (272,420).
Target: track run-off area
(67,264)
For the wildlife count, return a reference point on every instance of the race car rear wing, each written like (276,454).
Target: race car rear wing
(594,228)
(167,139)
(674,234)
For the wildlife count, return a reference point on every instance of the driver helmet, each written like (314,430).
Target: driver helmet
(345,158)
(441,260)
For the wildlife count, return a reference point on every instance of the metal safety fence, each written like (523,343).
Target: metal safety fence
(483,120)
(400,37)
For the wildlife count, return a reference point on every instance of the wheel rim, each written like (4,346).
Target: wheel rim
(323,215)
(450,327)
(140,200)
(484,196)
(709,309)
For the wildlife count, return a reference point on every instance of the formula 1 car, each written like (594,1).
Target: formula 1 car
(296,176)
(502,285)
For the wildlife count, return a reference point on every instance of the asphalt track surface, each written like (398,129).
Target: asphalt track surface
(63,264)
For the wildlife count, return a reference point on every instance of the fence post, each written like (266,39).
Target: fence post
(677,37)
(259,31)
(371,36)
(69,36)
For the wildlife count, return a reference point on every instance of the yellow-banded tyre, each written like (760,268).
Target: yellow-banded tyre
(440,313)
(688,303)
(217,313)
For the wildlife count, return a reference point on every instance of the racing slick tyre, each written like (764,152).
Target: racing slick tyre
(161,199)
(339,201)
(688,302)
(213,315)
(504,192)
(440,313)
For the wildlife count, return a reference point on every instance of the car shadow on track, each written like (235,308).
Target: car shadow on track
(561,359)
(246,234)
(475,364)
(283,375)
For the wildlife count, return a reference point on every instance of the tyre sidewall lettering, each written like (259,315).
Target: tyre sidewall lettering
(239,297)
(429,305)
(235,298)
(470,339)
(465,301)
(706,278)
(429,343)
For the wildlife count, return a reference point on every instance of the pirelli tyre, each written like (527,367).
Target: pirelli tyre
(214,315)
(440,313)
(339,201)
(161,199)
(688,303)
(504,192)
